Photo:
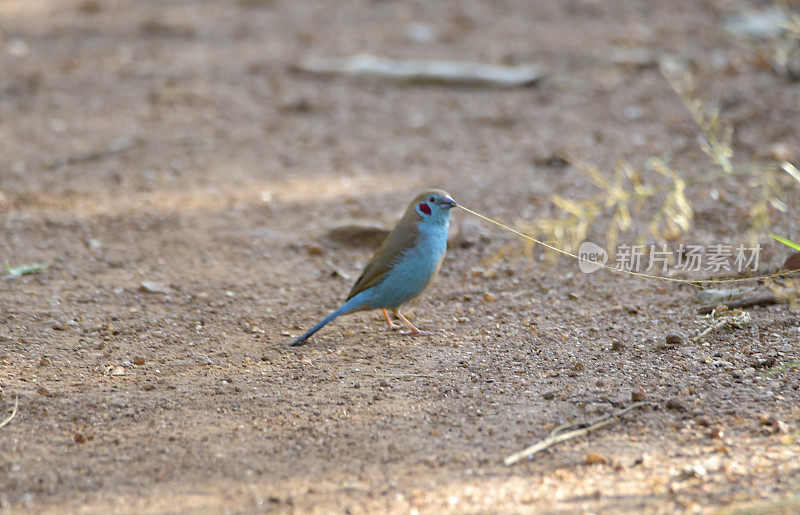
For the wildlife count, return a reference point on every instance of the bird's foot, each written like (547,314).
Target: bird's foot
(390,326)
(413,331)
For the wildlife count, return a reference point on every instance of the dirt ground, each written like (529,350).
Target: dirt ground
(171,144)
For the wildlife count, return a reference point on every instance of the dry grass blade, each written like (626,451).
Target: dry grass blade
(717,144)
(731,319)
(569,431)
(626,194)
(791,170)
(13,412)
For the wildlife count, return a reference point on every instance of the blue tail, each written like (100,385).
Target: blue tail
(350,306)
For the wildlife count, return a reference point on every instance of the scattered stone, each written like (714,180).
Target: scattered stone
(617,345)
(483,273)
(595,459)
(792,262)
(716,433)
(80,438)
(771,424)
(767,420)
(782,151)
(44,361)
(554,160)
(315,250)
(695,470)
(118,371)
(42,391)
(638,395)
(488,297)
(674,340)
(676,404)
(548,395)
(768,362)
(702,420)
(138,360)
(154,287)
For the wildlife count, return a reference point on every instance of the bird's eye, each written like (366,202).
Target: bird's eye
(432,199)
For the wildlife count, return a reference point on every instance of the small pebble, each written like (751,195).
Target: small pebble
(638,395)
(782,151)
(138,360)
(595,459)
(674,339)
(675,403)
(154,287)
(702,420)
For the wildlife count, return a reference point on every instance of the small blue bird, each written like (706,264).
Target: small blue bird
(405,263)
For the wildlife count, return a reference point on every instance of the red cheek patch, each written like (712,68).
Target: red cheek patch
(425,208)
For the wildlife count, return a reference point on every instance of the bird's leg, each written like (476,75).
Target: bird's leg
(413,329)
(391,324)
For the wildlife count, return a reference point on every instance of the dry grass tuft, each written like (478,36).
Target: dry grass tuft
(662,190)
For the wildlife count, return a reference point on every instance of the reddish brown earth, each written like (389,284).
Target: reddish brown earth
(226,169)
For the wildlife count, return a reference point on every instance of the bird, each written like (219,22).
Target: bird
(403,266)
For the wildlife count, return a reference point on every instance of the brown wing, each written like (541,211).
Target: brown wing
(403,237)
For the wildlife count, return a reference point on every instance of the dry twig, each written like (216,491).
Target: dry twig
(115,147)
(763,300)
(14,412)
(568,431)
(734,318)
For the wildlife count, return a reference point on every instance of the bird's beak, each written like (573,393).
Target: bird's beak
(448,203)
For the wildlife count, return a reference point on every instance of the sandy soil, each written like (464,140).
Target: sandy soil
(169,143)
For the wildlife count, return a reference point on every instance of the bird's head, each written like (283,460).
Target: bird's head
(433,206)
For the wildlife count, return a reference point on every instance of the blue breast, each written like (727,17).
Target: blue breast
(414,270)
